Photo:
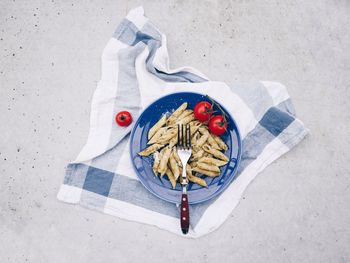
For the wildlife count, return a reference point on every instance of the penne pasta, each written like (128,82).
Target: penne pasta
(150,149)
(177,158)
(171,177)
(208,155)
(197,180)
(205,172)
(177,113)
(194,126)
(220,142)
(164,161)
(186,120)
(215,152)
(184,114)
(197,155)
(173,142)
(157,135)
(173,165)
(203,130)
(208,167)
(195,149)
(202,140)
(194,140)
(212,142)
(193,164)
(160,158)
(157,126)
(212,161)
(166,137)
(210,139)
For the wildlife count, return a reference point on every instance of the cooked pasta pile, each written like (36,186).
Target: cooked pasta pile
(207,148)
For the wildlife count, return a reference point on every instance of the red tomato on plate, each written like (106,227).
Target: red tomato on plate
(123,118)
(203,111)
(218,125)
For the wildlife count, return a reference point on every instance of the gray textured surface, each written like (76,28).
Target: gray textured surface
(297,210)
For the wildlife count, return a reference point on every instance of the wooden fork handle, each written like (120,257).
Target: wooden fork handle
(185,214)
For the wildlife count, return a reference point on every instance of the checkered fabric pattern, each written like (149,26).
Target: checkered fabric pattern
(135,71)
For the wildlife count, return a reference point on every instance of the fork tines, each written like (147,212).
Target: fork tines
(184,136)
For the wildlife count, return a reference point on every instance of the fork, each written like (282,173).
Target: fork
(184,150)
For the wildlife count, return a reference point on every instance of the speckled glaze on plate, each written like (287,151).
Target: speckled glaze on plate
(161,187)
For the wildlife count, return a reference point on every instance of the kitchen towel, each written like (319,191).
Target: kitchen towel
(135,72)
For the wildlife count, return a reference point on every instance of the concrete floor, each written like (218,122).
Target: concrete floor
(297,210)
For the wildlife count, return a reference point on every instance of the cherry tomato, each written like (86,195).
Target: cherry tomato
(123,118)
(218,125)
(203,111)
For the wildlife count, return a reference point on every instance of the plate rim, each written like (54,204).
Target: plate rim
(213,195)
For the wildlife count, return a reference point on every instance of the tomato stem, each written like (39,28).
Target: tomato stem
(217,105)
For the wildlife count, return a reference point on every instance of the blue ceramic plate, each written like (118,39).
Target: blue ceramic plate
(161,187)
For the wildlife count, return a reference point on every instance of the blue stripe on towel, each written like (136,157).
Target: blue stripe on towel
(99,184)
(126,32)
(132,191)
(253,145)
(275,120)
(98,181)
(293,134)
(128,94)
(75,175)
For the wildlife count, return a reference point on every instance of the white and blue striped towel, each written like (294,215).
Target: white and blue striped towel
(135,71)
